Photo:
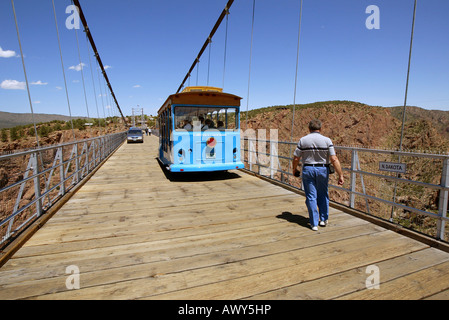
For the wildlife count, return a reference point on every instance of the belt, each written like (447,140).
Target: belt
(315,165)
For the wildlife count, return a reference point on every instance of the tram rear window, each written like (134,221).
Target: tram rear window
(206,118)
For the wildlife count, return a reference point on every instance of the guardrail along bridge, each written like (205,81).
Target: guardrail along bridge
(133,231)
(98,218)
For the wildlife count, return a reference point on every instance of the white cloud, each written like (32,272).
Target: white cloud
(136,86)
(36,102)
(59,88)
(78,67)
(75,81)
(12,85)
(7,53)
(107,67)
(39,83)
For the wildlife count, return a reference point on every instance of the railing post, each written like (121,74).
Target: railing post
(274,160)
(444,198)
(61,173)
(102,149)
(251,151)
(353,177)
(77,164)
(37,185)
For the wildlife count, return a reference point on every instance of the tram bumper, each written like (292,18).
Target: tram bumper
(206,167)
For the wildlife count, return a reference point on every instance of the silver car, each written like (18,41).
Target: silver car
(135,135)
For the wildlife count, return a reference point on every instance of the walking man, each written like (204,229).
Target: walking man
(316,152)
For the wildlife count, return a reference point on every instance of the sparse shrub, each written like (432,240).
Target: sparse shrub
(31,132)
(13,134)
(43,131)
(4,135)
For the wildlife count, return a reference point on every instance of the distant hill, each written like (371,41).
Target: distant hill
(354,123)
(438,118)
(9,120)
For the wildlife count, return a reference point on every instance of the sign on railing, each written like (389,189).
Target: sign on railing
(393,167)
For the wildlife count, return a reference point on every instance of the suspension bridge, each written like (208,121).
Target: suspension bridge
(100,219)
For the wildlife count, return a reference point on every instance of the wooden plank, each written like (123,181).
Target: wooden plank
(120,255)
(136,233)
(416,285)
(443,295)
(347,254)
(239,279)
(340,284)
(144,269)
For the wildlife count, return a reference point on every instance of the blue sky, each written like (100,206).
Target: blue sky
(149,46)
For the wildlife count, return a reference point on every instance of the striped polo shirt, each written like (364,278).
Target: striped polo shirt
(315,148)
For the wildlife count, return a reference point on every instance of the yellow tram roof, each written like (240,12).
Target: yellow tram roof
(202,89)
(197,96)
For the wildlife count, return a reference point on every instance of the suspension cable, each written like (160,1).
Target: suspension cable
(94,48)
(101,95)
(208,64)
(405,106)
(82,78)
(25,74)
(93,84)
(63,72)
(197,71)
(214,29)
(296,75)
(408,75)
(225,46)
(250,58)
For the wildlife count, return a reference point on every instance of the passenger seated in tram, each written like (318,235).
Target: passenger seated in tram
(187,125)
(201,119)
(220,125)
(208,124)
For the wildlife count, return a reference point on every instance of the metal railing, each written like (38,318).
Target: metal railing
(415,199)
(32,181)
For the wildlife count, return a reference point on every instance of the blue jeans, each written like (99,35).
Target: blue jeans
(316,181)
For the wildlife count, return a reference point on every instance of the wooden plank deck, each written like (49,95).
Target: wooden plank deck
(135,233)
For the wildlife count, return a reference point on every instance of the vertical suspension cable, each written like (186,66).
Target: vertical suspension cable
(63,72)
(250,56)
(408,75)
(296,76)
(25,73)
(82,78)
(208,64)
(93,84)
(405,105)
(108,106)
(197,71)
(214,29)
(97,56)
(225,47)
(102,99)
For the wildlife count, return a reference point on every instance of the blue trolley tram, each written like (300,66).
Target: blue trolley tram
(199,130)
